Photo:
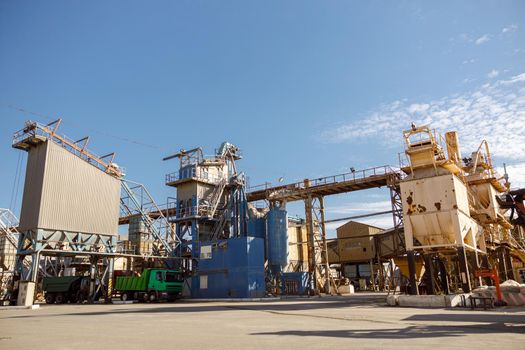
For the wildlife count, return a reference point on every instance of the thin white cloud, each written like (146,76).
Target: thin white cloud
(515,79)
(494,111)
(418,107)
(351,209)
(464,37)
(509,29)
(383,221)
(482,39)
(354,209)
(493,74)
(472,60)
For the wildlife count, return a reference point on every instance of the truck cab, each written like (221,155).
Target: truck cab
(166,283)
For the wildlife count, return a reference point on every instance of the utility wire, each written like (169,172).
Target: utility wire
(139,143)
(16,184)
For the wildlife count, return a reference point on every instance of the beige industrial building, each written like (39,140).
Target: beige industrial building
(297,246)
(356,242)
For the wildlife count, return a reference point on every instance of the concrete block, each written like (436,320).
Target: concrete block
(422,301)
(438,301)
(392,300)
(456,300)
(26,293)
(349,289)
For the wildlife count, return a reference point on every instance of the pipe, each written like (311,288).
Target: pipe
(361,216)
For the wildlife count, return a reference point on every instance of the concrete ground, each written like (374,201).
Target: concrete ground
(360,321)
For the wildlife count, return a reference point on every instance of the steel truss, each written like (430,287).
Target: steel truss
(319,268)
(136,201)
(47,250)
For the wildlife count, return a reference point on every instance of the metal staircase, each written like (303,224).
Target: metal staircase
(136,201)
(217,196)
(8,228)
(8,224)
(219,226)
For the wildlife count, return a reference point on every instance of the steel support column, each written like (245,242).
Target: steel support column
(464,270)
(429,274)
(443,276)
(412,273)
(312,283)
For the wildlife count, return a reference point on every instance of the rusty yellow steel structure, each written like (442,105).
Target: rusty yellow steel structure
(449,203)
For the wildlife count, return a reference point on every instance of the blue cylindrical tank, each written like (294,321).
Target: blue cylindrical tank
(257,227)
(277,237)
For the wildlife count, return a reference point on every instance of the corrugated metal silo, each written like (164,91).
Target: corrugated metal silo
(64,192)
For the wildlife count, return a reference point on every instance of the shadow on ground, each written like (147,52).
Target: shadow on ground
(410,332)
(290,305)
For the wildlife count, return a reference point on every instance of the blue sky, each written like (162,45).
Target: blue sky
(304,88)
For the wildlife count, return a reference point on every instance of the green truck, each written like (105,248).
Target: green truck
(59,290)
(152,285)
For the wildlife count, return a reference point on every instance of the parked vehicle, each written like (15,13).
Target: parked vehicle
(65,289)
(152,285)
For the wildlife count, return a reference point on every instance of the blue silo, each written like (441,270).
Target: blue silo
(277,239)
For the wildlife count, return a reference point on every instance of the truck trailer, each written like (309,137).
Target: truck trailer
(59,290)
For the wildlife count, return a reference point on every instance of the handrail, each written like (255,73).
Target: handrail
(334,179)
(175,176)
(33,129)
(8,224)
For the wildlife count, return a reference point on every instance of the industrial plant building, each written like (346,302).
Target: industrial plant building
(457,225)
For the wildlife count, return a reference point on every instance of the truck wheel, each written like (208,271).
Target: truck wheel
(145,297)
(124,296)
(50,298)
(79,297)
(59,299)
(152,296)
(73,298)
